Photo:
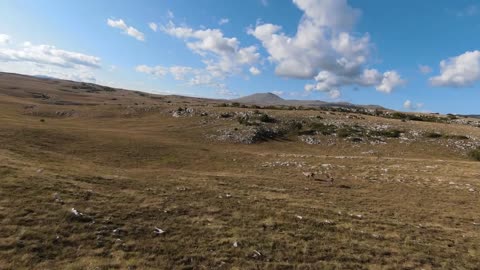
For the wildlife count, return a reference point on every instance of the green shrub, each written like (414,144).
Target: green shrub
(436,135)
(323,128)
(390,133)
(452,116)
(475,154)
(351,131)
(433,135)
(456,137)
(266,118)
(226,115)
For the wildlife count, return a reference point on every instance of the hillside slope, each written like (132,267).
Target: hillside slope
(98,178)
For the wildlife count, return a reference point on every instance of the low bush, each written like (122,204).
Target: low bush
(436,135)
(321,128)
(456,137)
(390,133)
(226,115)
(475,154)
(351,131)
(255,119)
(433,135)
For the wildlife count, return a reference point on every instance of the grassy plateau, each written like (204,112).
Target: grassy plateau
(98,178)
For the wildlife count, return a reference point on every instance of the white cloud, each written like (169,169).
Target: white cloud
(390,81)
(170,14)
(80,73)
(459,71)
(324,48)
(409,105)
(468,11)
(330,82)
(424,69)
(4,39)
(191,76)
(223,21)
(47,60)
(179,73)
(158,71)
(153,26)
(255,71)
(48,55)
(120,24)
(334,94)
(222,56)
(225,92)
(278,93)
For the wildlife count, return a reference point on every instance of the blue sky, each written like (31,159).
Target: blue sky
(405,55)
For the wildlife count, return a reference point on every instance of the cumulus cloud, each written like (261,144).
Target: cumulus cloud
(158,71)
(459,71)
(331,83)
(324,48)
(424,69)
(278,93)
(222,56)
(153,26)
(4,39)
(390,81)
(255,71)
(179,73)
(191,77)
(409,105)
(129,30)
(48,55)
(223,21)
(33,69)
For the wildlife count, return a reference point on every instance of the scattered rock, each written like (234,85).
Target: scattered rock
(79,216)
(159,231)
(309,140)
(58,199)
(308,174)
(256,254)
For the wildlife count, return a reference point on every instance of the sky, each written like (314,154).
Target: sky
(406,55)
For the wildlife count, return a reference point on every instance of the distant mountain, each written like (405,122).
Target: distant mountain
(40,76)
(265,99)
(262,99)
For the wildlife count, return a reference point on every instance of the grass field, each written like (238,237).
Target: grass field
(129,169)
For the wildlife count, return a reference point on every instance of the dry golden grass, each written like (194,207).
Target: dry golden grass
(130,168)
